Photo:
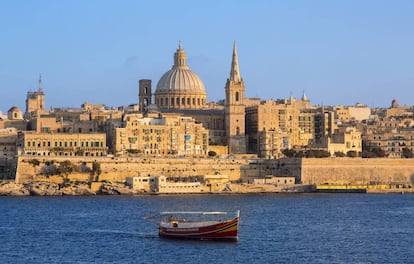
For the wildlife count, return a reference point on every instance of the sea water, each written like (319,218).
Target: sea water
(278,228)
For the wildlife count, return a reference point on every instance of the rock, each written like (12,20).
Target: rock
(77,189)
(111,188)
(13,189)
(44,188)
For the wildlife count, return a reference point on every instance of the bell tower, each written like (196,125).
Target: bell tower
(144,94)
(35,101)
(234,108)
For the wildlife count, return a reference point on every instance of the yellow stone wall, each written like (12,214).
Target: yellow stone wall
(348,170)
(117,169)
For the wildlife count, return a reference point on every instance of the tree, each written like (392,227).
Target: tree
(34,162)
(79,152)
(96,170)
(368,154)
(352,154)
(65,167)
(407,153)
(339,154)
(290,153)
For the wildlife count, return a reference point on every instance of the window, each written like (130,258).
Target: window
(237,96)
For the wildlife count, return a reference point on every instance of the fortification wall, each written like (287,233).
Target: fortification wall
(348,170)
(117,169)
(306,171)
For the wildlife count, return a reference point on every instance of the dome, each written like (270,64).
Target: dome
(181,81)
(14,113)
(152,108)
(180,88)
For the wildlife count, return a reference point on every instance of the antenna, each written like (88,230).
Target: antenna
(39,87)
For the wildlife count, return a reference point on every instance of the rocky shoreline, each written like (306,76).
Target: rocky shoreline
(68,189)
(39,188)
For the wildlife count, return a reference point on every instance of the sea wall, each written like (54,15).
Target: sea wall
(306,171)
(347,170)
(117,169)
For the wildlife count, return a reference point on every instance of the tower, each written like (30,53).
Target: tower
(144,94)
(35,101)
(234,108)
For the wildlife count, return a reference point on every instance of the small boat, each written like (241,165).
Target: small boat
(199,225)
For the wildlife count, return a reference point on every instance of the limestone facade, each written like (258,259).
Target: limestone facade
(62,144)
(291,121)
(161,135)
(343,140)
(8,142)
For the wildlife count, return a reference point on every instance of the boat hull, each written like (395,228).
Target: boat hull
(226,230)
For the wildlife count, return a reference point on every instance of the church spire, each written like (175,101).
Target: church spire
(234,71)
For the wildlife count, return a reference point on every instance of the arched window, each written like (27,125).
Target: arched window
(237,131)
(237,96)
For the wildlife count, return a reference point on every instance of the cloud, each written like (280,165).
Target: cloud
(130,61)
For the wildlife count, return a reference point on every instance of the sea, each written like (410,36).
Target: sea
(274,228)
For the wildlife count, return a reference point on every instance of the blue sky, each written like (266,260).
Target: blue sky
(338,52)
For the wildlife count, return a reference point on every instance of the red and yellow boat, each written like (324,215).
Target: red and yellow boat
(199,225)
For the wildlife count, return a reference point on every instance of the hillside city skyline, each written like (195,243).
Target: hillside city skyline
(338,53)
(50,105)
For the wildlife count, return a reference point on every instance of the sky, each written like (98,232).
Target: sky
(338,52)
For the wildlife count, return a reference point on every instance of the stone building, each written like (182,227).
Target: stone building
(62,144)
(272,142)
(157,134)
(358,113)
(286,123)
(343,140)
(8,142)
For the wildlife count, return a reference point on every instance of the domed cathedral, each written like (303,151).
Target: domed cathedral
(234,108)
(181,91)
(180,88)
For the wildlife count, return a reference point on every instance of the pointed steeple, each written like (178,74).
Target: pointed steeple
(304,97)
(234,71)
